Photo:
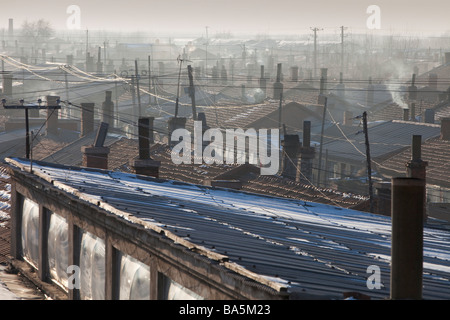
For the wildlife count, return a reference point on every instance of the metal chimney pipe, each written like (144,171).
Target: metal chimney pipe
(144,138)
(306,134)
(416,149)
(408,196)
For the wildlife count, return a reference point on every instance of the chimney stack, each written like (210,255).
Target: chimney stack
(413,89)
(341,86)
(278,86)
(432,81)
(445,128)
(429,116)
(413,111)
(96,155)
(370,93)
(7,84)
(447,58)
(294,73)
(323,81)
(405,114)
(224,75)
(52,114)
(69,59)
(307,154)
(173,124)
(262,81)
(406,281)
(145,165)
(291,147)
(89,63)
(87,119)
(99,61)
(108,109)
(11,28)
(416,167)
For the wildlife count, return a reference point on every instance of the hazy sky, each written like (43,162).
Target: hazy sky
(235,16)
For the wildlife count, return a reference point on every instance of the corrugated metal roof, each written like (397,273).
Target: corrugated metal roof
(307,247)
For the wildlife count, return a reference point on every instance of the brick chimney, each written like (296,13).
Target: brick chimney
(262,81)
(278,86)
(291,147)
(413,89)
(87,118)
(405,114)
(7,84)
(108,109)
(307,154)
(145,165)
(99,61)
(52,114)
(96,155)
(412,108)
(173,124)
(445,128)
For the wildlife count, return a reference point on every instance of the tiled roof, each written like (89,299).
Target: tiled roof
(435,151)
(384,139)
(125,149)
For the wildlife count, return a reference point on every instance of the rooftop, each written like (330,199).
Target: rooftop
(303,247)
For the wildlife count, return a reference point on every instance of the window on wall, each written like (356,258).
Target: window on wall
(92,267)
(30,231)
(172,290)
(134,279)
(58,248)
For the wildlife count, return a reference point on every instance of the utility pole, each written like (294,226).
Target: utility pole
(180,61)
(315,49)
(68,113)
(133,96)
(137,86)
(149,79)
(104,54)
(321,140)
(27,125)
(206,56)
(342,49)
(369,167)
(192,92)
(279,123)
(87,41)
